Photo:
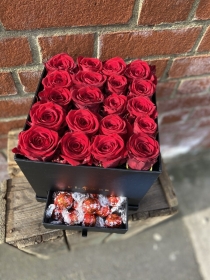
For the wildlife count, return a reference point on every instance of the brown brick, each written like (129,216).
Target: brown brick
(177,127)
(160,65)
(205,43)
(158,11)
(14,107)
(175,116)
(194,86)
(198,113)
(165,89)
(6,126)
(30,80)
(7,86)
(3,141)
(14,52)
(74,45)
(190,66)
(203,10)
(53,13)
(144,43)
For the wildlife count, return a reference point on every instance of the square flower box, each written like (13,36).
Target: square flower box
(45,176)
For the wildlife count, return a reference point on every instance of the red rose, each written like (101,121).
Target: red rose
(115,65)
(143,151)
(60,61)
(140,69)
(58,95)
(47,114)
(89,64)
(139,106)
(82,120)
(140,87)
(115,104)
(58,78)
(84,78)
(37,143)
(88,97)
(117,84)
(108,150)
(75,148)
(113,124)
(146,125)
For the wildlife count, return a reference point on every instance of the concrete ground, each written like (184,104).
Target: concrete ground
(178,249)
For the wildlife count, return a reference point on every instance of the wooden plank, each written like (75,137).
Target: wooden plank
(3,191)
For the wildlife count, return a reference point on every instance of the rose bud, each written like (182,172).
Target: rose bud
(113,124)
(143,152)
(60,61)
(139,69)
(47,114)
(82,120)
(89,220)
(139,106)
(115,65)
(71,217)
(115,104)
(103,211)
(114,200)
(89,64)
(88,97)
(90,205)
(58,78)
(113,221)
(37,143)
(58,95)
(140,87)
(75,148)
(90,78)
(108,150)
(146,125)
(63,200)
(116,84)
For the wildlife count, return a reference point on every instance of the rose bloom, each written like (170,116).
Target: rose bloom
(139,106)
(60,61)
(37,143)
(88,97)
(108,150)
(115,65)
(57,78)
(140,69)
(83,120)
(115,104)
(143,152)
(113,124)
(84,78)
(75,148)
(89,64)
(58,95)
(117,84)
(140,87)
(145,124)
(47,114)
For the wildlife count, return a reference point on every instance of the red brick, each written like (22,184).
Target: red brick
(14,52)
(194,86)
(74,45)
(177,127)
(198,113)
(158,11)
(175,116)
(7,86)
(205,43)
(53,13)
(203,10)
(160,65)
(190,66)
(30,80)
(3,141)
(6,126)
(165,89)
(144,43)
(14,107)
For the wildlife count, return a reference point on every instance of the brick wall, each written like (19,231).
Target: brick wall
(173,34)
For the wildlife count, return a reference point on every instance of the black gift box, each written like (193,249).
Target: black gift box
(84,229)
(45,176)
